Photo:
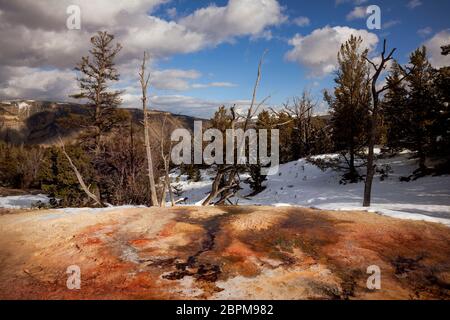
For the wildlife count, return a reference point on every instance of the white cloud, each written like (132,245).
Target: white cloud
(318,50)
(51,14)
(434,48)
(357,13)
(187,105)
(172,13)
(213,85)
(173,79)
(38,52)
(391,23)
(29,24)
(237,18)
(165,79)
(412,4)
(177,104)
(32,83)
(424,31)
(302,21)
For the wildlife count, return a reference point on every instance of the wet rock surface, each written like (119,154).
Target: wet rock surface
(221,253)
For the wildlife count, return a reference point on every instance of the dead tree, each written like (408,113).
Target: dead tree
(151,177)
(80,177)
(165,156)
(300,114)
(373,120)
(230,173)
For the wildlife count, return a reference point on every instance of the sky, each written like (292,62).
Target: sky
(205,53)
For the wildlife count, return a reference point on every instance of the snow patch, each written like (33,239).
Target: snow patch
(22,202)
(23,105)
(300,183)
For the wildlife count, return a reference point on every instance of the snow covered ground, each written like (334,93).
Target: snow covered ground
(22,201)
(301,183)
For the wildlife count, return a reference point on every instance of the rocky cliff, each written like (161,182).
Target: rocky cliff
(39,122)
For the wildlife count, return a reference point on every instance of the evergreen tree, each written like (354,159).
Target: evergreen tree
(396,113)
(349,103)
(441,126)
(97,72)
(265,121)
(423,107)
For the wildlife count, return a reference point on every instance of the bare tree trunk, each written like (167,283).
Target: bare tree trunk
(162,203)
(371,155)
(374,122)
(144,85)
(169,186)
(166,159)
(214,189)
(231,185)
(80,177)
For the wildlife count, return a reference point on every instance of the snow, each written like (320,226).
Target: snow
(303,184)
(22,202)
(23,105)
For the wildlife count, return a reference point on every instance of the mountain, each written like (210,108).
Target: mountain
(39,122)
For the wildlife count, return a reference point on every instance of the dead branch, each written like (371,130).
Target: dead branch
(232,184)
(80,177)
(144,85)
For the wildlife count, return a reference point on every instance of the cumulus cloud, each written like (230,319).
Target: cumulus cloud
(237,18)
(52,15)
(357,13)
(33,83)
(38,51)
(32,35)
(173,79)
(434,48)
(177,104)
(425,31)
(302,21)
(188,105)
(391,23)
(318,50)
(412,4)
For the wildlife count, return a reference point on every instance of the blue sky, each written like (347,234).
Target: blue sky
(205,53)
(236,62)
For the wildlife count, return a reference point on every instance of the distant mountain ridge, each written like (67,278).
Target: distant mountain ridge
(37,122)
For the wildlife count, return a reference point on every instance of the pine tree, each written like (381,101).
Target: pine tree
(257,179)
(349,103)
(97,72)
(441,128)
(423,107)
(396,113)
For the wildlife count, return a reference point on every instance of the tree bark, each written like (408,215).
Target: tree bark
(214,189)
(374,123)
(151,178)
(80,177)
(231,186)
(371,155)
